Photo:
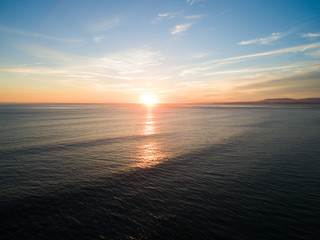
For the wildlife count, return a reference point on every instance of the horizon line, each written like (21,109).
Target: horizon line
(160,103)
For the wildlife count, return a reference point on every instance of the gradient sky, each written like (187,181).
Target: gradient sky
(182,51)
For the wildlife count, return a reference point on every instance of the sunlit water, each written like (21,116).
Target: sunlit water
(162,172)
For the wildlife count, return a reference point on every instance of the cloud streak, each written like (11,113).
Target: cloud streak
(130,64)
(181,28)
(239,71)
(37,35)
(217,68)
(263,41)
(194,17)
(300,48)
(311,35)
(162,16)
(190,2)
(98,39)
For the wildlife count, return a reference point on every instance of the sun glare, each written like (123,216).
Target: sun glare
(149,99)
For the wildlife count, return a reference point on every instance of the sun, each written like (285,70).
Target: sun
(149,99)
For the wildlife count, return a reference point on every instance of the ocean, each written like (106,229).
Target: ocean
(171,171)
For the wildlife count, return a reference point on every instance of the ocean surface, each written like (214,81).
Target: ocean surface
(77,171)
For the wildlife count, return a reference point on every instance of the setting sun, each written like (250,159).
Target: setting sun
(149,99)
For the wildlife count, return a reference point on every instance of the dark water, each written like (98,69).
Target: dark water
(168,172)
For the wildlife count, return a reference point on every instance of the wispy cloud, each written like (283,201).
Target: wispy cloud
(167,15)
(200,55)
(311,35)
(314,54)
(286,81)
(206,67)
(300,48)
(264,40)
(163,14)
(181,28)
(130,64)
(37,35)
(98,39)
(251,70)
(66,72)
(194,16)
(132,60)
(104,25)
(289,85)
(309,74)
(190,2)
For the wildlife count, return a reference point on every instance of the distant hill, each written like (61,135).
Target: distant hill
(291,100)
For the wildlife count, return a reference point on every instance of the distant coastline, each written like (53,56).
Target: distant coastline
(278,101)
(292,100)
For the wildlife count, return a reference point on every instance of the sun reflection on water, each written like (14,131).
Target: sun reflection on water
(149,125)
(149,153)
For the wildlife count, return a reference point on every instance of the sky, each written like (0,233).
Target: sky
(191,51)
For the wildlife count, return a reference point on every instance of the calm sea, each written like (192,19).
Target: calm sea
(72,171)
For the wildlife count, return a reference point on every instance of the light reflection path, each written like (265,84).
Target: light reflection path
(149,153)
(149,125)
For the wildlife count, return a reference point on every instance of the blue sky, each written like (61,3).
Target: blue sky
(182,51)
